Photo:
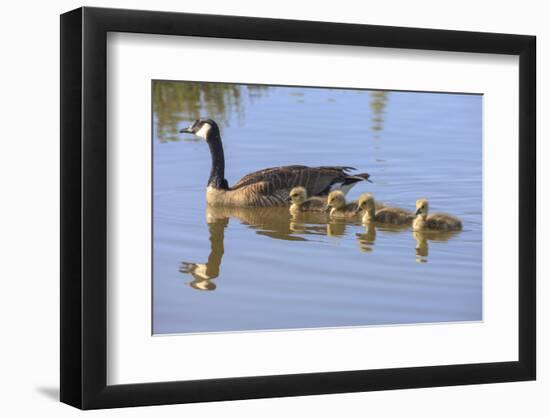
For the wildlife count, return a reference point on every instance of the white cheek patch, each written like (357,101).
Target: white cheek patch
(201,271)
(203,131)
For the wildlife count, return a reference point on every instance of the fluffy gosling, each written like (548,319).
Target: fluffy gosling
(387,215)
(336,202)
(300,202)
(436,221)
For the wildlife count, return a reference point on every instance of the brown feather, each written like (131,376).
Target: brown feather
(271,186)
(442,221)
(316,181)
(314,204)
(394,215)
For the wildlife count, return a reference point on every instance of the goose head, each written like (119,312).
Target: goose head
(336,199)
(203,128)
(366,203)
(297,195)
(422,207)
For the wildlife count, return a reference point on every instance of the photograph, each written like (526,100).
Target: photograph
(268,206)
(304,207)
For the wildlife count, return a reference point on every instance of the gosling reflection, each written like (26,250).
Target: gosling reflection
(203,274)
(366,240)
(422,238)
(308,223)
(278,223)
(336,229)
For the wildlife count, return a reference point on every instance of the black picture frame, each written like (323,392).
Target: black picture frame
(84,207)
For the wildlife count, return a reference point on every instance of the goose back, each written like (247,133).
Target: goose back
(271,186)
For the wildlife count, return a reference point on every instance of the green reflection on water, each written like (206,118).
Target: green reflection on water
(378,103)
(174,102)
(178,101)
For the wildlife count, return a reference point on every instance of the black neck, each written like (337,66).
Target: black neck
(217,172)
(217,232)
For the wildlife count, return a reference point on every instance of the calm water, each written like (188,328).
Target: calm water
(253,269)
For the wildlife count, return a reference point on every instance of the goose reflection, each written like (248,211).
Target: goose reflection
(273,222)
(278,223)
(204,273)
(422,239)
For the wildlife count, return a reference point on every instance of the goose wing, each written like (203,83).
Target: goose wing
(277,181)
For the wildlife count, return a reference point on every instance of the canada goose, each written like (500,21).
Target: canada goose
(300,202)
(436,221)
(336,201)
(270,186)
(387,215)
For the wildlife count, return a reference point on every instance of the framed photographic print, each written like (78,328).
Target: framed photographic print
(258,208)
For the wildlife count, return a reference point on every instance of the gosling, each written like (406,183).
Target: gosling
(336,202)
(436,221)
(300,202)
(386,215)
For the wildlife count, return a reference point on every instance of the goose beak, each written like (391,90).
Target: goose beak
(187,130)
(417,212)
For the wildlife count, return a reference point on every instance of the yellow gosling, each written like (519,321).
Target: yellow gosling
(336,202)
(300,202)
(387,215)
(436,221)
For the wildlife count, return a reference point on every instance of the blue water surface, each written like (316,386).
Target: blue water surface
(236,270)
